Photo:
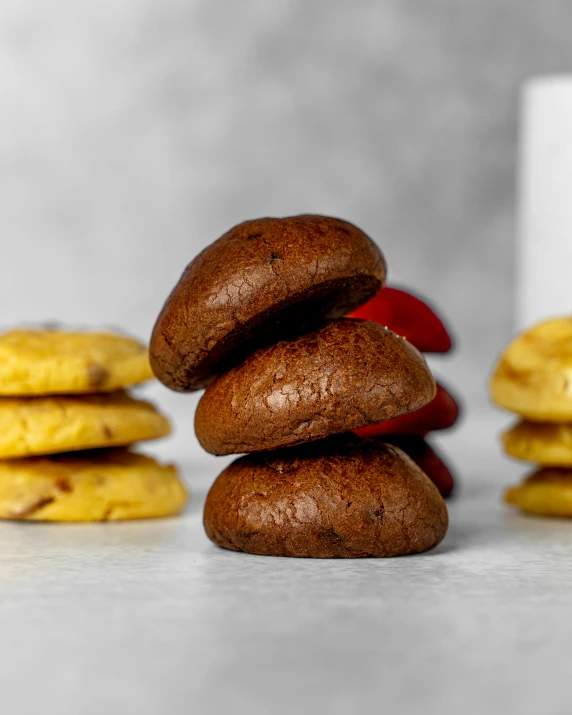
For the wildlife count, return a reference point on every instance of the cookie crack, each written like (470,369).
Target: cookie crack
(27,511)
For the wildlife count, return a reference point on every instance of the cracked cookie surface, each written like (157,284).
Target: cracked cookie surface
(53,362)
(46,425)
(426,458)
(261,280)
(533,377)
(104,485)
(341,497)
(345,375)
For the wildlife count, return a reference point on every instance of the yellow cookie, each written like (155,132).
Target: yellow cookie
(534,375)
(46,425)
(547,492)
(541,442)
(50,362)
(107,485)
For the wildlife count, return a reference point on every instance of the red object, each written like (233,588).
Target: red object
(428,460)
(441,413)
(408,316)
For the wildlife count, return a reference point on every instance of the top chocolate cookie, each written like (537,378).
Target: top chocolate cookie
(260,281)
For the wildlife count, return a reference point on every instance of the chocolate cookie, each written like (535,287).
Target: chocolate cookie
(342,497)
(426,458)
(347,374)
(262,279)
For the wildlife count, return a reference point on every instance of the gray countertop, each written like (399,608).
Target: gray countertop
(150,618)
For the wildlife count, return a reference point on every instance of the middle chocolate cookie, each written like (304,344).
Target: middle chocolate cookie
(345,375)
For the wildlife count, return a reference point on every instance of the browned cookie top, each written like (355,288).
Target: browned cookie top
(260,280)
(340,497)
(347,374)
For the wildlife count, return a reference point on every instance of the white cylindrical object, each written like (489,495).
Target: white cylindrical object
(544,240)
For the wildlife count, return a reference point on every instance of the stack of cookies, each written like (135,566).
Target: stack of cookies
(257,320)
(533,379)
(407,315)
(62,393)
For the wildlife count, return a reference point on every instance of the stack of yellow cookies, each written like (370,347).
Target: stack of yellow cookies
(533,378)
(62,393)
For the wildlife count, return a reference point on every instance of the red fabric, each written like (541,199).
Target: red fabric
(408,316)
(441,413)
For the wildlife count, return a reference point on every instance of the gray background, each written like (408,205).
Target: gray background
(134,132)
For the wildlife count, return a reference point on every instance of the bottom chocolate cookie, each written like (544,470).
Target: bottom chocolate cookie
(427,459)
(341,497)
